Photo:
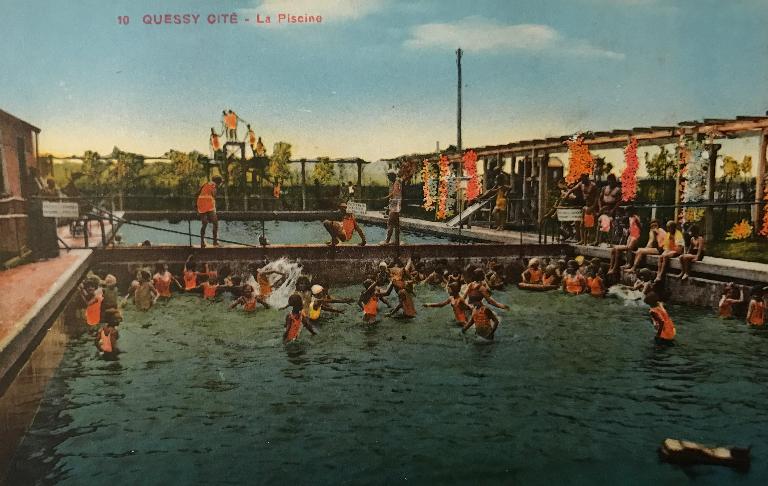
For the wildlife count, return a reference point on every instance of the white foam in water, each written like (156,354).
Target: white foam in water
(626,294)
(279,296)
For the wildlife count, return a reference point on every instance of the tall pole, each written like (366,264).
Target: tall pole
(459,52)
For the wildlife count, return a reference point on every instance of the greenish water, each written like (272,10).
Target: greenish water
(277,232)
(573,391)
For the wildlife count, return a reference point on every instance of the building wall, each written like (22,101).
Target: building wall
(13,214)
(11,129)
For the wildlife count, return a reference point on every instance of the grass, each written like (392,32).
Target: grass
(753,250)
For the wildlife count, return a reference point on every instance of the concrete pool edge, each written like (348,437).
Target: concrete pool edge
(25,332)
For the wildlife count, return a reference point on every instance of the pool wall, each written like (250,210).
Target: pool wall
(344,265)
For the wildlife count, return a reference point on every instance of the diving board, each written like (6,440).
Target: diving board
(462,216)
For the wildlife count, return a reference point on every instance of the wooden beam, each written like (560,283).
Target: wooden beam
(760,182)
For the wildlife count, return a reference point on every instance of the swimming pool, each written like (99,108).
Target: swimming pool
(277,232)
(573,391)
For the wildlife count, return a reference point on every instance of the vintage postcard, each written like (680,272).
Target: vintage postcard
(383,242)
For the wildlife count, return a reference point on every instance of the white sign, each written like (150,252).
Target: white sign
(356,208)
(53,209)
(569,214)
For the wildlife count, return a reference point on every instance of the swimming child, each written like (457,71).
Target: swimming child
(732,295)
(573,281)
(319,302)
(595,284)
(533,274)
(369,301)
(550,276)
(144,294)
(190,274)
(208,287)
(483,318)
(456,302)
(248,300)
(478,288)
(404,290)
(106,339)
(494,277)
(92,300)
(295,320)
(162,280)
(110,294)
(265,286)
(665,328)
(756,310)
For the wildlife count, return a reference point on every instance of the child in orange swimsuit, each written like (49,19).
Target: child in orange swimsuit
(732,295)
(595,284)
(208,287)
(483,318)
(665,328)
(457,303)
(295,320)
(573,282)
(756,311)
(92,299)
(369,301)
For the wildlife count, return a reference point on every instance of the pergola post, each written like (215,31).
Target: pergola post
(485,173)
(543,166)
(359,190)
(760,181)
(709,215)
(303,185)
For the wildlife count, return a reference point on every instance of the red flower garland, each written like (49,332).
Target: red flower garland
(470,170)
(442,191)
(579,159)
(629,176)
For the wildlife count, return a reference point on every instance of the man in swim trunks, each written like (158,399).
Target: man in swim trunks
(342,230)
(206,208)
(610,195)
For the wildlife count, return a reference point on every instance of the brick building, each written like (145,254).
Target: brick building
(18,152)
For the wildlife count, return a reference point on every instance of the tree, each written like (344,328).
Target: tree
(662,166)
(602,168)
(323,170)
(278,163)
(188,169)
(93,170)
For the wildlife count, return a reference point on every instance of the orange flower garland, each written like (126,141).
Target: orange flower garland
(442,191)
(629,176)
(764,229)
(470,170)
(740,231)
(579,159)
(429,201)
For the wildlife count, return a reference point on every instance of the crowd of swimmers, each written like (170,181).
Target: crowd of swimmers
(468,291)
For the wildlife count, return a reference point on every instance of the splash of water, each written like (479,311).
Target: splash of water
(279,296)
(626,294)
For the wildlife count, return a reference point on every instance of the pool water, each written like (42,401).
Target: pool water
(248,232)
(573,391)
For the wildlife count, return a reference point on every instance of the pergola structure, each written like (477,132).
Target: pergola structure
(535,153)
(356,161)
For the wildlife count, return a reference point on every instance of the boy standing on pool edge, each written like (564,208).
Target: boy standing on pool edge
(206,208)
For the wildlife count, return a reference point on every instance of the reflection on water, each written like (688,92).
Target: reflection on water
(573,389)
(248,232)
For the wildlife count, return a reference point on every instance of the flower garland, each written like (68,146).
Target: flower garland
(696,173)
(740,231)
(451,204)
(682,160)
(442,192)
(629,175)
(470,170)
(580,161)
(426,178)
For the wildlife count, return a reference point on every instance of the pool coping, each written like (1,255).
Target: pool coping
(26,331)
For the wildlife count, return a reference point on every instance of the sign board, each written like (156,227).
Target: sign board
(356,208)
(568,214)
(53,209)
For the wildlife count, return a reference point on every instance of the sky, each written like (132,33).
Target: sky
(376,79)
